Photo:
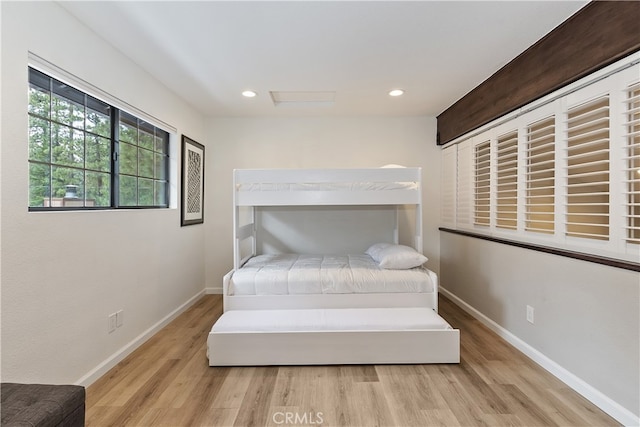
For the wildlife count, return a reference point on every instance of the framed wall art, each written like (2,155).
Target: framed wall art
(192,198)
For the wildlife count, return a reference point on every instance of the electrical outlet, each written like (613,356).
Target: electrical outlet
(112,322)
(530,314)
(119,318)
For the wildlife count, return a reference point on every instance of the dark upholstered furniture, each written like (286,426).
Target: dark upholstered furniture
(41,405)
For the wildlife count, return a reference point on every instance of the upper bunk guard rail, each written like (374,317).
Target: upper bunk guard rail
(327,175)
(334,187)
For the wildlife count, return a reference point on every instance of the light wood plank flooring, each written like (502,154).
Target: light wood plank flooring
(167,382)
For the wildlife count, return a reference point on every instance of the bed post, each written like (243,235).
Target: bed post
(396,225)
(418,225)
(254,232)
(418,236)
(236,243)
(242,229)
(236,240)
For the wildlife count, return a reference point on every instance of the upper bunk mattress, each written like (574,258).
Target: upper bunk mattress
(295,274)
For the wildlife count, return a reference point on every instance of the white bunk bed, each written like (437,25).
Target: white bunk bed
(293,325)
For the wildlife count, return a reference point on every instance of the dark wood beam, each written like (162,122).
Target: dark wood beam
(597,35)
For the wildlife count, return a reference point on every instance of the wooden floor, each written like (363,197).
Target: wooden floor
(167,382)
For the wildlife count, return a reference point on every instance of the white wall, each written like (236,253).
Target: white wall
(324,229)
(63,273)
(236,143)
(587,316)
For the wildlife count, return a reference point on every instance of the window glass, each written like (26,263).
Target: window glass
(143,156)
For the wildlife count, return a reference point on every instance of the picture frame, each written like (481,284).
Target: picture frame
(192,196)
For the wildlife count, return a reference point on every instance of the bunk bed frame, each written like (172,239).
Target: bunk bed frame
(255,188)
(323,187)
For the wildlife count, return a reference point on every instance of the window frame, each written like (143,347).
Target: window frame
(115,112)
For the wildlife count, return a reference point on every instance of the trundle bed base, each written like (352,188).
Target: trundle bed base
(270,342)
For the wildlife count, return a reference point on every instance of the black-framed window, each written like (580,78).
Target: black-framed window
(87,154)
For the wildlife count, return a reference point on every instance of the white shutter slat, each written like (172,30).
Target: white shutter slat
(539,158)
(507,173)
(591,146)
(590,194)
(509,151)
(587,174)
(538,178)
(536,200)
(589,108)
(585,123)
(542,131)
(634,143)
(632,123)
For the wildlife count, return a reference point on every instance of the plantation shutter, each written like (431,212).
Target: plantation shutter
(633,163)
(587,160)
(540,176)
(507,181)
(464,184)
(562,172)
(482,180)
(448,201)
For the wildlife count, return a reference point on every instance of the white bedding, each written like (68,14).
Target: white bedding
(345,319)
(286,274)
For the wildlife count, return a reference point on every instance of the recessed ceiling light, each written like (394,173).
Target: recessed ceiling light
(249,94)
(396,92)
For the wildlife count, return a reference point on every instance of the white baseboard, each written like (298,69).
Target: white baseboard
(118,356)
(606,404)
(213,291)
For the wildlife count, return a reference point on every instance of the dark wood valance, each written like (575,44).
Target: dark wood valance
(597,35)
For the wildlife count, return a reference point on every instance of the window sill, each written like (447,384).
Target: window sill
(611,262)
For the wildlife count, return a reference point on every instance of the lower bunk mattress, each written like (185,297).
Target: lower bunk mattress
(301,274)
(332,336)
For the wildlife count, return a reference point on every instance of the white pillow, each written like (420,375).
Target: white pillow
(395,257)
(375,249)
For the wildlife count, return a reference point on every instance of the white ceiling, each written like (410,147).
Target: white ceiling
(208,52)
